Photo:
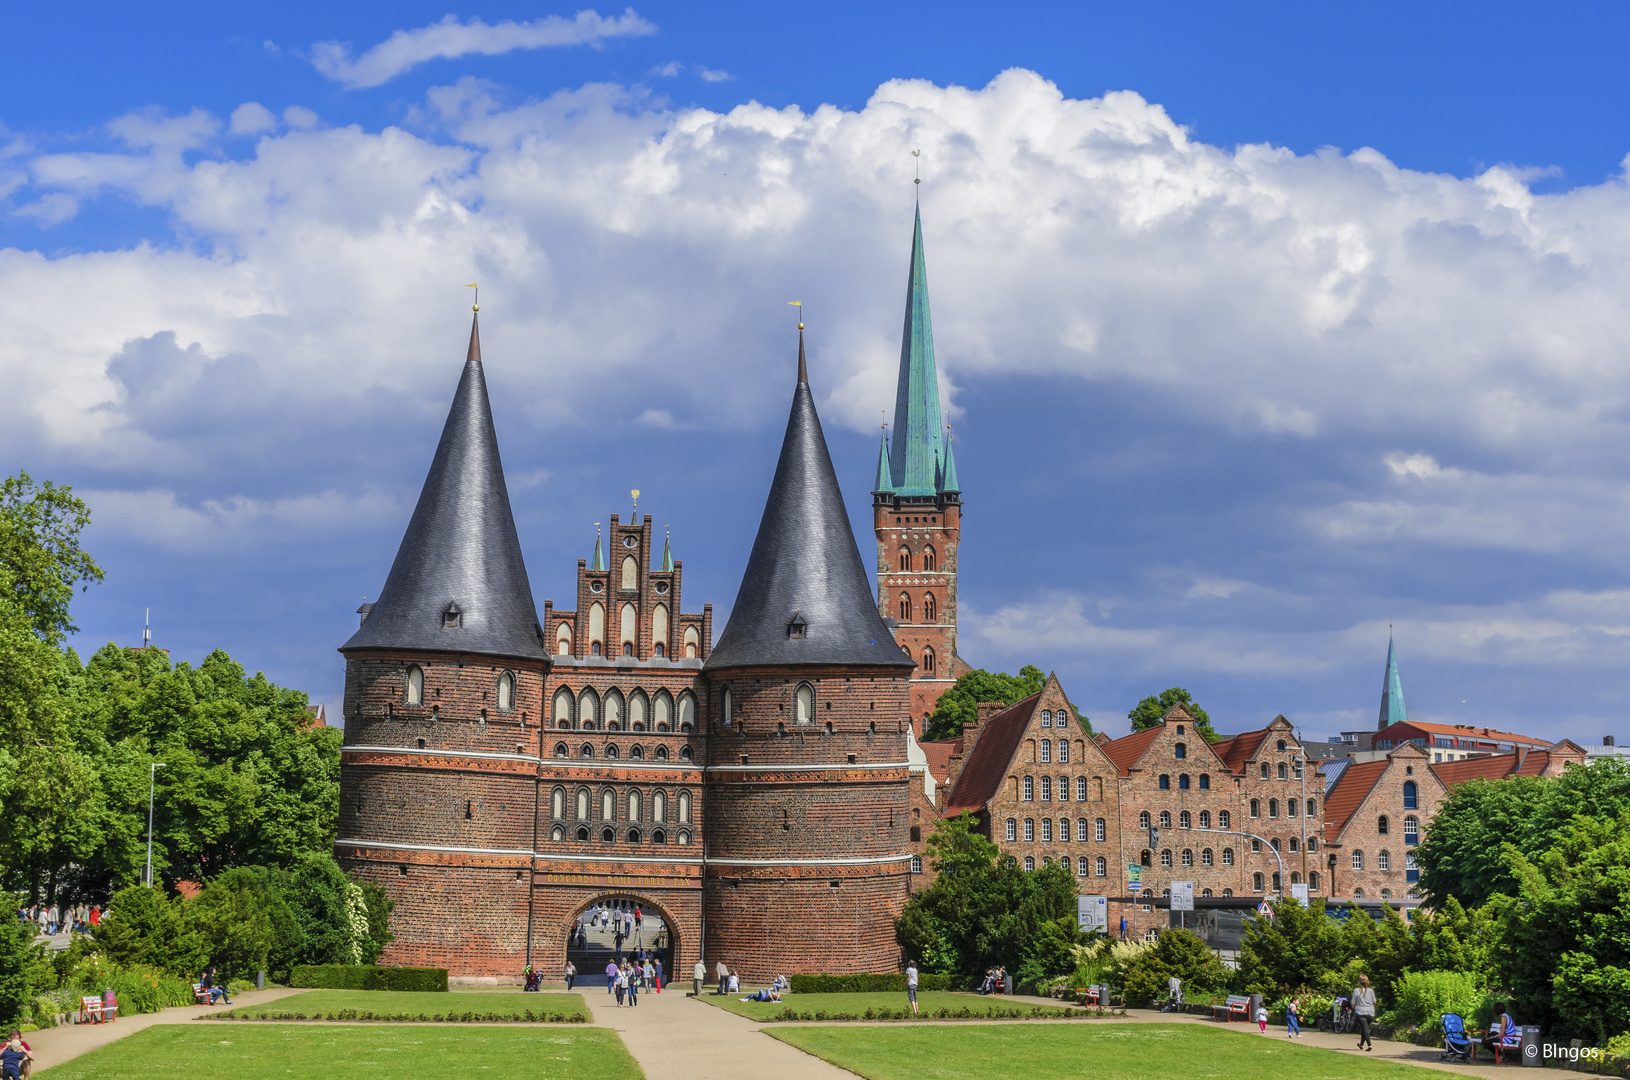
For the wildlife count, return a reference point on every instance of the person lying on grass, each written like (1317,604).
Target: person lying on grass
(769,994)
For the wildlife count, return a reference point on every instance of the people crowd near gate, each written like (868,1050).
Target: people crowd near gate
(53,919)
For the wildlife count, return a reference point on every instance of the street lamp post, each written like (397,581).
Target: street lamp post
(1265,843)
(152,776)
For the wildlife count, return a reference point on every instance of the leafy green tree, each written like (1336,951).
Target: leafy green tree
(143,926)
(1297,947)
(959,706)
(378,905)
(1178,954)
(246,923)
(39,549)
(1454,939)
(1147,713)
(18,956)
(316,890)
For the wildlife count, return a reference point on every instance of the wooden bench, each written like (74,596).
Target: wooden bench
(200,996)
(93,1010)
(1087,995)
(1235,1004)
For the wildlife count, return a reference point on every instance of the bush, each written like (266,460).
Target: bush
(865,983)
(145,927)
(1424,996)
(365,977)
(1176,953)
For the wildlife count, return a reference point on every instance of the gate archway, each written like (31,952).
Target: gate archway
(616,926)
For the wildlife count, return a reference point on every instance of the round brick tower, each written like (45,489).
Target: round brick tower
(807,784)
(444,690)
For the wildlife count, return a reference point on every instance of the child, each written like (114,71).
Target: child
(1262,1018)
(15,1056)
(1293,1029)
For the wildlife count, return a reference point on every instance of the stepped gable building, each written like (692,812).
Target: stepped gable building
(808,784)
(444,693)
(917,510)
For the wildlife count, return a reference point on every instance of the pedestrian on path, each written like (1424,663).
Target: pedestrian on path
(724,978)
(657,965)
(1364,1011)
(611,979)
(1293,1029)
(636,979)
(1262,1018)
(620,980)
(911,986)
(571,974)
(698,977)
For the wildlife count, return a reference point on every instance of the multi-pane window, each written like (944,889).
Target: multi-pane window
(1012,829)
(1100,831)
(1205,819)
(1284,772)
(1064,830)
(1188,857)
(1101,866)
(1047,789)
(1256,808)
(1290,807)
(1081,828)
(1412,830)
(1046,830)
(1383,861)
(1166,857)
(1264,770)
(1411,796)
(1256,882)
(1228,856)
(1165,819)
(1063,788)
(1358,860)
(1082,865)
(1047,718)
(1029,830)
(1223,819)
(1309,809)
(1143,819)
(1029,788)
(1184,821)
(1081,789)
(1046,750)
(1063,751)
(1205,857)
(1030,863)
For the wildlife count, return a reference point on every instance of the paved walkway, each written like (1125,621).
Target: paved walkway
(55,1045)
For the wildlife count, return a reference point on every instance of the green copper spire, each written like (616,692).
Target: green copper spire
(949,482)
(599,555)
(885,483)
(915,458)
(1392,692)
(667,553)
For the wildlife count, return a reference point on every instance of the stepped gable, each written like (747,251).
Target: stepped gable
(460,556)
(805,567)
(999,739)
(1351,788)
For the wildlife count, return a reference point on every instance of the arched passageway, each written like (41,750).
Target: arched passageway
(615,927)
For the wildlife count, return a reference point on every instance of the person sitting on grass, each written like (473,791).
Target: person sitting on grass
(781,985)
(15,1057)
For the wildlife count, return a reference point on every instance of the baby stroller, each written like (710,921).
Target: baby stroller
(1457,1045)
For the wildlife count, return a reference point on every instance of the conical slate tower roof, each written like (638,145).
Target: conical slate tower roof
(805,568)
(1392,693)
(460,552)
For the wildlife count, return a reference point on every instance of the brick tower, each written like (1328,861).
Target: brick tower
(807,782)
(444,686)
(917,510)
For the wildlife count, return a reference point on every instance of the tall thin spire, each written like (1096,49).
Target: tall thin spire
(803,369)
(948,480)
(458,582)
(667,552)
(1392,692)
(917,455)
(599,552)
(885,483)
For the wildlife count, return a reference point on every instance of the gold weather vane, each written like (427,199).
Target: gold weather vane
(636,494)
(799,304)
(477,305)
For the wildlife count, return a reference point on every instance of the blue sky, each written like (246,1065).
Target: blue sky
(1262,327)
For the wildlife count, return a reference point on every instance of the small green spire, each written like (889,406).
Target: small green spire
(667,552)
(948,481)
(599,553)
(885,483)
(1392,692)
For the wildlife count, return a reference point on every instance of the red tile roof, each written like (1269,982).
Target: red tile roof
(987,766)
(1236,751)
(939,754)
(1464,731)
(1491,767)
(1355,782)
(1126,750)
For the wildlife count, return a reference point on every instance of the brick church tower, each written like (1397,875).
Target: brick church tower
(917,510)
(807,782)
(444,685)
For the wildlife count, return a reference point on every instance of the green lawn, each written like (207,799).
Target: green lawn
(857,1004)
(287,1051)
(1106,1051)
(393,1004)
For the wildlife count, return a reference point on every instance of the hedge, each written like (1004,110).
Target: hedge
(367,977)
(527,1016)
(865,984)
(989,1012)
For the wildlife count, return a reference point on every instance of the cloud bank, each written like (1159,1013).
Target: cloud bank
(449,39)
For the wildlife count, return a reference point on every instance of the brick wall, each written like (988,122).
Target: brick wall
(1363,833)
(918,529)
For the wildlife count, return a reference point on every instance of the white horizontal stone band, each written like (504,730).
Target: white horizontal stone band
(441,753)
(619,763)
(772,767)
(874,860)
(871,860)
(434,847)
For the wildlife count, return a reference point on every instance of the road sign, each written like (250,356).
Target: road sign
(1265,909)
(1134,875)
(1182,896)
(1092,913)
(1299,893)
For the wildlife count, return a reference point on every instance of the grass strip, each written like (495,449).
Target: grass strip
(399,1006)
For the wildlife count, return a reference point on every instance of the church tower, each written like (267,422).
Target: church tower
(807,785)
(917,510)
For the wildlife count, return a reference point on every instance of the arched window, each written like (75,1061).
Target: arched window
(1165,782)
(1313,880)
(1205,892)
(1081,829)
(1205,857)
(693,642)
(1358,894)
(1165,819)
(685,753)
(687,712)
(1046,830)
(597,628)
(1264,770)
(563,639)
(1083,866)
(1182,781)
(902,561)
(1081,789)
(905,608)
(639,711)
(1063,830)
(1224,819)
(588,706)
(582,832)
(1047,789)
(608,835)
(1290,807)
(631,573)
(659,806)
(1181,750)
(585,751)
(1144,858)
(506,692)
(1012,829)
(1100,830)
(1256,808)
(1029,830)
(629,620)
(659,837)
(803,711)
(1358,860)
(1283,771)
(1184,821)
(636,752)
(916,864)
(1188,857)
(1273,808)
(1029,863)
(1277,887)
(659,629)
(1205,819)
(1100,866)
(557,833)
(561,750)
(662,753)
(1064,789)
(727,708)
(684,838)
(1293,843)
(1256,882)
(1309,809)
(1382,826)
(1166,857)
(613,708)
(608,805)
(928,661)
(662,710)
(684,808)
(634,806)
(928,559)
(1205,781)
(415,685)
(1063,753)
(1383,860)
(1228,856)
(1046,748)
(1412,830)
(929,608)
(1143,819)
(1410,798)
(583,806)
(557,803)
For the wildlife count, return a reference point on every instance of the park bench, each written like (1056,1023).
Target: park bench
(93,1010)
(1510,1043)
(200,996)
(1088,995)
(1235,1004)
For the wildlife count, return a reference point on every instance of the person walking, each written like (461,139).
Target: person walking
(698,976)
(620,980)
(723,974)
(636,979)
(656,965)
(911,985)
(1262,1018)
(1293,1029)
(611,979)
(571,974)
(1364,1011)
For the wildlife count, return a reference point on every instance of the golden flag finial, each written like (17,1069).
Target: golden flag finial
(477,305)
(799,304)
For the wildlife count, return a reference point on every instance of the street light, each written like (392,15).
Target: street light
(152,775)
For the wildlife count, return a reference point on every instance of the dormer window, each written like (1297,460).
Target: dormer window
(451,616)
(796,627)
